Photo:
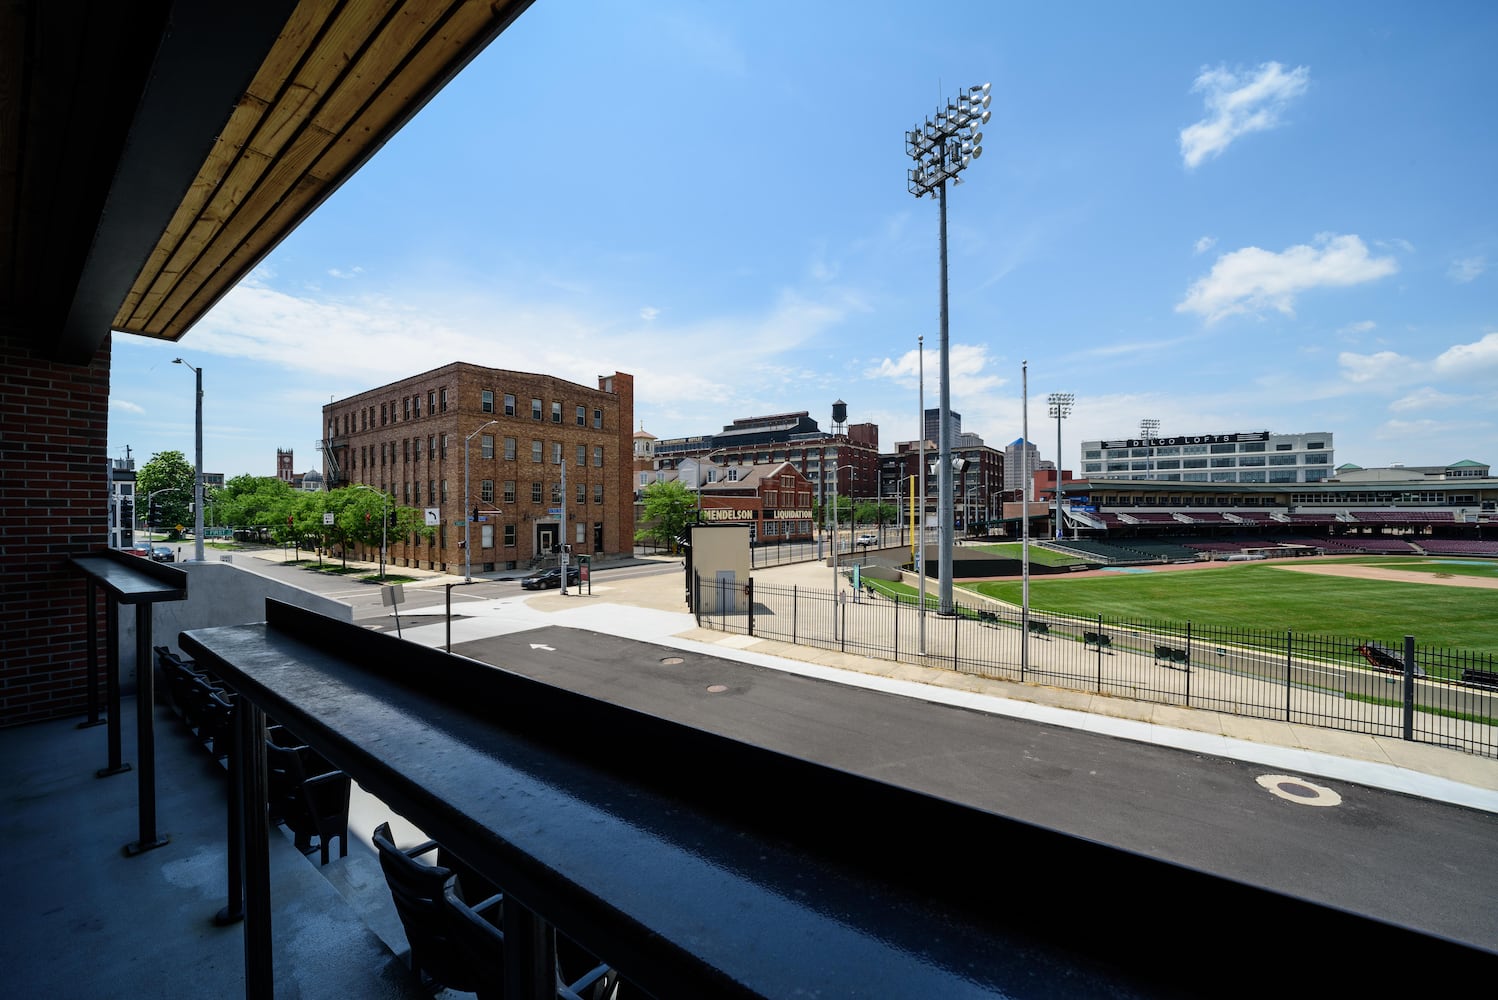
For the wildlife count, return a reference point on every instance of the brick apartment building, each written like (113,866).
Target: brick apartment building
(774,500)
(408,438)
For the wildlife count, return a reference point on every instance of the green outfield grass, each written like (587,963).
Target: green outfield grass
(1038,555)
(1264,596)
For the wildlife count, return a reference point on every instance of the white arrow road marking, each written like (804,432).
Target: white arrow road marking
(542,645)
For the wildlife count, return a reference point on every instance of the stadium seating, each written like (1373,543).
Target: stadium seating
(1459,546)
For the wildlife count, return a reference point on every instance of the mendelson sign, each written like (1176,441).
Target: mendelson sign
(1166,442)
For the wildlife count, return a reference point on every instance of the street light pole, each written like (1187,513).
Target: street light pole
(467,511)
(197,498)
(1060,406)
(942,148)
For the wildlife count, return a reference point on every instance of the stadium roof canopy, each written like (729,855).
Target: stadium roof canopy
(153,152)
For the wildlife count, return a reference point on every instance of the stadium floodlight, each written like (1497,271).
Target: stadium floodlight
(1060,404)
(942,147)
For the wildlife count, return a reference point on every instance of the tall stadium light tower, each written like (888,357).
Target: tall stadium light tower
(1060,407)
(197,480)
(1149,429)
(942,147)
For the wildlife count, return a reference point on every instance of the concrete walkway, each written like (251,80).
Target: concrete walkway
(653,609)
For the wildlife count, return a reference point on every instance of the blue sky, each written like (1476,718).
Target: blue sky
(1250,217)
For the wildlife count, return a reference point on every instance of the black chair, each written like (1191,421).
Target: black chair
(311,804)
(434,927)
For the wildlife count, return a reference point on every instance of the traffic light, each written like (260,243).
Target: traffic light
(475,512)
(151,513)
(390,518)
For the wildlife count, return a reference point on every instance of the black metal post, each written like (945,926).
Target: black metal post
(92,603)
(145,737)
(233,911)
(449,618)
(795,607)
(112,687)
(530,952)
(254,794)
(1289,658)
(1188,664)
(749,593)
(1099,637)
(1409,687)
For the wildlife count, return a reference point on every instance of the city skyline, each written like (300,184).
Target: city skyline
(1275,219)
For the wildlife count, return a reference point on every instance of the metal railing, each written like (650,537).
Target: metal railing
(1403,689)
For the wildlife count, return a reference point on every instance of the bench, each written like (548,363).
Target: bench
(989,618)
(1481,678)
(1173,657)
(1040,628)
(1099,639)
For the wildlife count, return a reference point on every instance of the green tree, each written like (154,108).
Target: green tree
(668,508)
(253,502)
(170,477)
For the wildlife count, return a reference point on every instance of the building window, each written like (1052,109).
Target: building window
(582,416)
(581,493)
(509,449)
(644,479)
(582,456)
(509,404)
(556,453)
(405,450)
(772,498)
(431,401)
(486,446)
(432,448)
(442,448)
(1282,446)
(416,450)
(509,493)
(598,420)
(486,493)
(486,401)
(432,489)
(406,408)
(556,412)
(535,409)
(444,491)
(1315,445)
(598,456)
(536,454)
(384,414)
(509,536)
(444,400)
(1225,449)
(598,493)
(1281,460)
(535,492)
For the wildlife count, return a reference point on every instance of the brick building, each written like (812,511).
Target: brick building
(977,483)
(774,500)
(524,433)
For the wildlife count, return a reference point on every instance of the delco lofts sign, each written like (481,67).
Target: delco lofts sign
(1165,442)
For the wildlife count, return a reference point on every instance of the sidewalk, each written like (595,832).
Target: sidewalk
(653,609)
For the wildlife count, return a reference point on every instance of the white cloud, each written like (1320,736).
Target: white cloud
(1426,398)
(649,313)
(1251,279)
(1351,330)
(968,364)
(1466,269)
(352,272)
(1237,104)
(1465,359)
(1380,367)
(1204,244)
(126,406)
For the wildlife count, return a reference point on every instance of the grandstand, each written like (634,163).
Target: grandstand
(1395,511)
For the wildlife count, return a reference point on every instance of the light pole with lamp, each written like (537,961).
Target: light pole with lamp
(197,486)
(942,148)
(1060,404)
(467,512)
(384,519)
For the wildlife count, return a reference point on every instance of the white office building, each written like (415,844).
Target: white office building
(1244,457)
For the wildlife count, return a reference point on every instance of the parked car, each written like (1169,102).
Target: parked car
(163,553)
(868,538)
(545,579)
(144,551)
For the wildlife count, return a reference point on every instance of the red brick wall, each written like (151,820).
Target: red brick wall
(55,503)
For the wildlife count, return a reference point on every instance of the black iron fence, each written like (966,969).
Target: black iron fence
(1424,693)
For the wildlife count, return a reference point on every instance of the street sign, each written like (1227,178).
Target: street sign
(433,516)
(327,519)
(554,510)
(460,522)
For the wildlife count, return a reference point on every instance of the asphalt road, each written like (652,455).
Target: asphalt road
(1405,860)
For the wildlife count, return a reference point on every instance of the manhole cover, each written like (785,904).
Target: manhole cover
(717,688)
(672,661)
(1298,790)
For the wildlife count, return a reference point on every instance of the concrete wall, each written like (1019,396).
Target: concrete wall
(218,593)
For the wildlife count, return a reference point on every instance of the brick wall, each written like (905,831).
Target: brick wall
(55,503)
